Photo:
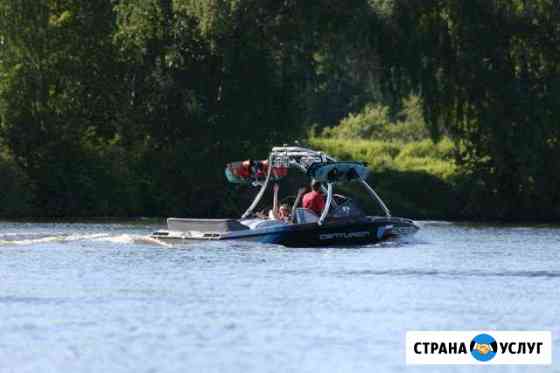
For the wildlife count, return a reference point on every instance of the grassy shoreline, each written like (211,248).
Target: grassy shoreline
(416,179)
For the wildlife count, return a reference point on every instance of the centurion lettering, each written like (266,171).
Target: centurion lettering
(440,348)
(331,236)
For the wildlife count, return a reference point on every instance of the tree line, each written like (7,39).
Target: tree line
(132,107)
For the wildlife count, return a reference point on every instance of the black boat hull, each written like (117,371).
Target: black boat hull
(336,233)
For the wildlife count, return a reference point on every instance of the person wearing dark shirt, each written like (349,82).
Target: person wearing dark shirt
(314,200)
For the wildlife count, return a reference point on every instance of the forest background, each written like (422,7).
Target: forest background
(124,108)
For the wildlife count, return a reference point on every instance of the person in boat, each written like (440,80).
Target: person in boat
(281,212)
(314,200)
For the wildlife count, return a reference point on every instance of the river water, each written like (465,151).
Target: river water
(91,297)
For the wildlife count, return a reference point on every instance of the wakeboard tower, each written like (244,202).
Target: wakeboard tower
(341,222)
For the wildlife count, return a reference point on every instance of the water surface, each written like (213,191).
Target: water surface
(86,297)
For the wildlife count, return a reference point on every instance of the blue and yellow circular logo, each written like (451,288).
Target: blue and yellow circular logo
(483,347)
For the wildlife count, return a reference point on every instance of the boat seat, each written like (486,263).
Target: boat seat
(261,223)
(204,225)
(305,216)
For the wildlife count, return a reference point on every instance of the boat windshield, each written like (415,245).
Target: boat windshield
(346,209)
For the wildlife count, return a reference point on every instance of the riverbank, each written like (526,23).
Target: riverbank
(416,179)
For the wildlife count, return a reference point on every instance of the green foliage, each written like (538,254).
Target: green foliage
(16,196)
(374,122)
(488,74)
(54,99)
(435,159)
(131,107)
(416,176)
(416,179)
(422,156)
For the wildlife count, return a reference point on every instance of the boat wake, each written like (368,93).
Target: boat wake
(26,239)
(134,239)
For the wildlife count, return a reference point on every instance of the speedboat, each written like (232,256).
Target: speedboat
(341,222)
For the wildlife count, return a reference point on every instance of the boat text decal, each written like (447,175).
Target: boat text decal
(330,236)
